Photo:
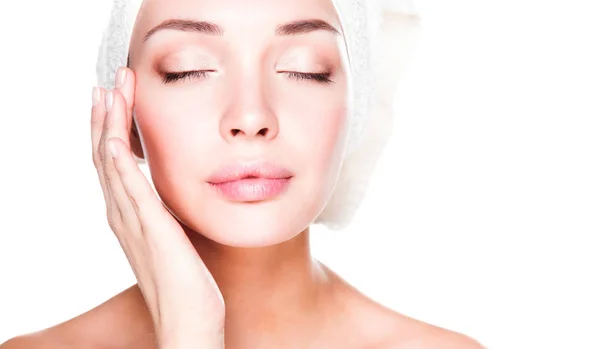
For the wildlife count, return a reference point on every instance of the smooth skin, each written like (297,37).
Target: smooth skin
(209,272)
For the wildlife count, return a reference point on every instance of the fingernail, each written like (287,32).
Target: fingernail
(109,100)
(95,96)
(121,74)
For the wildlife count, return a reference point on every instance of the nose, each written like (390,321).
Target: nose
(249,115)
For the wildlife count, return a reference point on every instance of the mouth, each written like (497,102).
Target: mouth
(251,182)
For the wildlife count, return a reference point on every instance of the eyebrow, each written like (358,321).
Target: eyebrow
(302,26)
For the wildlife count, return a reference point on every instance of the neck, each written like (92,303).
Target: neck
(268,291)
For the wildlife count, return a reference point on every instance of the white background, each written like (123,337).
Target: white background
(486,202)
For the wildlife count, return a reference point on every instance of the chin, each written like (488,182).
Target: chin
(250,227)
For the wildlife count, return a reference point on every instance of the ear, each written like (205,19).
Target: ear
(136,144)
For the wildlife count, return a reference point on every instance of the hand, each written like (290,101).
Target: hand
(186,305)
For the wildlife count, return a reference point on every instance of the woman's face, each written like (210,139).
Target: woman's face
(249,105)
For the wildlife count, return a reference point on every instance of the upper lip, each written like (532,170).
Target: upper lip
(233,172)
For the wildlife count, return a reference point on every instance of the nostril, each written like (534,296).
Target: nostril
(262,132)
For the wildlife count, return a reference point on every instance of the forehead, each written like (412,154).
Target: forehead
(237,17)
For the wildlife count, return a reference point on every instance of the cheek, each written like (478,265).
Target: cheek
(175,138)
(174,121)
(317,138)
(312,117)
(316,129)
(324,131)
(174,153)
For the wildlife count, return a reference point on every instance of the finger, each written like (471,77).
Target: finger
(125,83)
(155,221)
(114,127)
(138,190)
(97,122)
(115,124)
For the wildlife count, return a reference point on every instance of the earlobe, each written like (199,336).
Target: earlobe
(136,145)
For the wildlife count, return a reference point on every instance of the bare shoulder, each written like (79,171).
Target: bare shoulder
(120,322)
(414,334)
(376,326)
(22,342)
(44,339)
(435,339)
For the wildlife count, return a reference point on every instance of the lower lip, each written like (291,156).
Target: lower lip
(252,189)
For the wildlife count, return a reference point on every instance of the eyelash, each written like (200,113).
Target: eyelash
(322,78)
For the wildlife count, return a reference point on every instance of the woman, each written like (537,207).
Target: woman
(246,116)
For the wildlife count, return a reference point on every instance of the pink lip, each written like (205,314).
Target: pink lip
(251,182)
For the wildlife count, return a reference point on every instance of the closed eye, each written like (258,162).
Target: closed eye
(171,77)
(175,76)
(318,77)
